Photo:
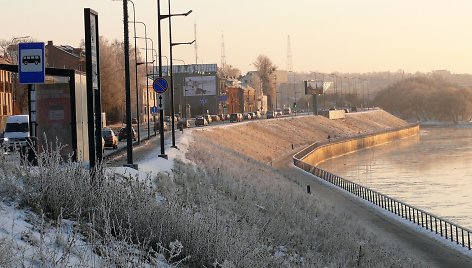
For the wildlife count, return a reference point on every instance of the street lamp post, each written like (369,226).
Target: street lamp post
(129,144)
(171,71)
(147,83)
(182,107)
(154,55)
(159,48)
(138,118)
(172,86)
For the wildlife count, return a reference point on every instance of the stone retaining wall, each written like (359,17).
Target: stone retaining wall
(325,151)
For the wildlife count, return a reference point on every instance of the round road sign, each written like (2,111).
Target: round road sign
(159,85)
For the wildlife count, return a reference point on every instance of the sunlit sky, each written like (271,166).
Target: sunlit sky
(325,36)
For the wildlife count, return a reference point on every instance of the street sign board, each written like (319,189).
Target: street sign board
(159,85)
(31,63)
(222,98)
(160,102)
(154,110)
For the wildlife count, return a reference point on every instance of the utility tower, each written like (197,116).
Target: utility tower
(289,55)
(223,55)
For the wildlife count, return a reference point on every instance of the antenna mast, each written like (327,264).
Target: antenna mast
(223,55)
(289,55)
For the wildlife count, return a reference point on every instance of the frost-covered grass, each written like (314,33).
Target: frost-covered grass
(231,207)
(218,207)
(60,214)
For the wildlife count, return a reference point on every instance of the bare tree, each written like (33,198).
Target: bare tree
(113,80)
(265,69)
(229,71)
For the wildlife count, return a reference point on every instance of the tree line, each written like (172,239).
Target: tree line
(427,99)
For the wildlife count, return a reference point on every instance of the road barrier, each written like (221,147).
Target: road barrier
(437,225)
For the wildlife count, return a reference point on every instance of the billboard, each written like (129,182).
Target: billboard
(200,86)
(53,115)
(317,87)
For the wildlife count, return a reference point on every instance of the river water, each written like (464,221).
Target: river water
(431,171)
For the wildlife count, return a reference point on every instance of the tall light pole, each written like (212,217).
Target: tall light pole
(154,56)
(147,82)
(182,107)
(172,87)
(129,145)
(171,71)
(159,49)
(138,118)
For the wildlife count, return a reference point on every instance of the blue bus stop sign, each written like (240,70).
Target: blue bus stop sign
(31,63)
(159,85)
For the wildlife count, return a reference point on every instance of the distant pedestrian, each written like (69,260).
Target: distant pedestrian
(329,138)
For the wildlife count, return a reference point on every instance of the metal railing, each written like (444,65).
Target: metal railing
(449,230)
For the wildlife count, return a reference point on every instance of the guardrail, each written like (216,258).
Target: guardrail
(449,230)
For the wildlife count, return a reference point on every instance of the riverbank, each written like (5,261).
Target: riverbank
(253,163)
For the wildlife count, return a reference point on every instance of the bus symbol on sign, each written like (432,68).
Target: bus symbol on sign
(36,59)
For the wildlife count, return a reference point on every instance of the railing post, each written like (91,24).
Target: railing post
(422,222)
(409,213)
(431,222)
(452,236)
(440,227)
(468,238)
(462,231)
(436,224)
(457,235)
(445,229)
(426,216)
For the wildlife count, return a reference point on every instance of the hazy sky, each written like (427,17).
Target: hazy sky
(326,36)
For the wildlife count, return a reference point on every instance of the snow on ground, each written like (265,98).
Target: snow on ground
(153,164)
(26,238)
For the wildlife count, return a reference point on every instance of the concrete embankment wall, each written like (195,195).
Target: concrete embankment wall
(320,152)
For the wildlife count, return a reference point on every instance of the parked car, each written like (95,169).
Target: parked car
(278,112)
(257,115)
(287,111)
(157,126)
(247,116)
(122,134)
(271,114)
(215,118)
(208,118)
(235,117)
(184,123)
(201,121)
(168,119)
(222,117)
(111,140)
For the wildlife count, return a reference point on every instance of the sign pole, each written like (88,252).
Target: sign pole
(160,86)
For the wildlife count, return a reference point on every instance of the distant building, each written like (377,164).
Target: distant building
(6,93)
(64,57)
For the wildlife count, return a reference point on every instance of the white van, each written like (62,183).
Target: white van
(17,132)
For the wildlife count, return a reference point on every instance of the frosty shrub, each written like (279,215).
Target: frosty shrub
(118,215)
